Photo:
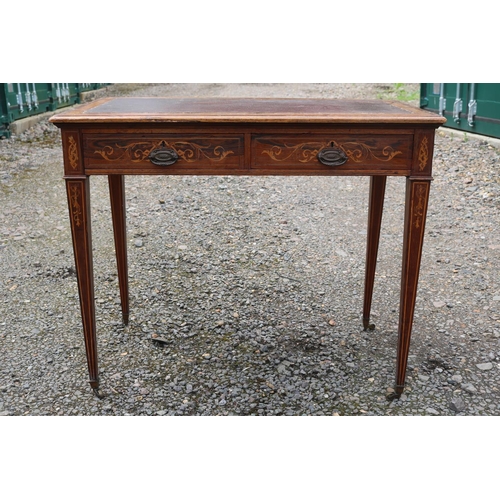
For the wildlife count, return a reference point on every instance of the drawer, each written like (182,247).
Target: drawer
(356,154)
(134,153)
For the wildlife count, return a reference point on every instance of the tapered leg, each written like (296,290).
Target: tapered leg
(417,196)
(376,205)
(117,196)
(79,213)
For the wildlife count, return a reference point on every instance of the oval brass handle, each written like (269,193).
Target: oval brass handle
(163,156)
(332,156)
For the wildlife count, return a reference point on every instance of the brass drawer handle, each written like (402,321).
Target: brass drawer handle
(332,156)
(163,156)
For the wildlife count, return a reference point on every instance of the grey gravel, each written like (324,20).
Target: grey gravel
(253,285)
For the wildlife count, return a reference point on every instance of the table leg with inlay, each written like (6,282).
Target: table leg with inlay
(417,197)
(78,191)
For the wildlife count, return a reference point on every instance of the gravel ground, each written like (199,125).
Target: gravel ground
(254,284)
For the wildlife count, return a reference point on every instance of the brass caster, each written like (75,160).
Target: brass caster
(392,396)
(396,393)
(367,325)
(97,393)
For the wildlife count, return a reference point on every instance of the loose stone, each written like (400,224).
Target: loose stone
(469,388)
(485,366)
(457,405)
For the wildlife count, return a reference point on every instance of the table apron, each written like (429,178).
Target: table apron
(247,154)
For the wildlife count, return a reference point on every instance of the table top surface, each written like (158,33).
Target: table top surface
(248,110)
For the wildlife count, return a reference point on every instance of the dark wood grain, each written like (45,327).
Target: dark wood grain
(118,211)
(132,152)
(375,209)
(78,193)
(417,197)
(72,152)
(363,151)
(422,153)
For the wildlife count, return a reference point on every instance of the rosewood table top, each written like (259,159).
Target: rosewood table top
(249,110)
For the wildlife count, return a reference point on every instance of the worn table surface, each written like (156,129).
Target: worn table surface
(147,109)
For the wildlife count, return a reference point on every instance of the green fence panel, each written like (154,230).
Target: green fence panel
(470,107)
(20,100)
(4,112)
(63,94)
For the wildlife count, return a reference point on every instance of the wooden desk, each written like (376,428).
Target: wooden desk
(161,136)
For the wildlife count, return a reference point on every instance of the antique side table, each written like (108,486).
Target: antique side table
(228,136)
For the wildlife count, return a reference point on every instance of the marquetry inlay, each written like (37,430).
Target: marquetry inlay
(421,191)
(72,153)
(76,208)
(139,151)
(423,154)
(308,151)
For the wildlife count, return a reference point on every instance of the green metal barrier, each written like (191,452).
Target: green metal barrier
(20,100)
(471,107)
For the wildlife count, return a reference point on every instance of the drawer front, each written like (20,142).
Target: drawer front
(382,153)
(134,153)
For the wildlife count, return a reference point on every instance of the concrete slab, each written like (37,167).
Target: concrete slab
(463,136)
(19,126)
